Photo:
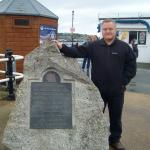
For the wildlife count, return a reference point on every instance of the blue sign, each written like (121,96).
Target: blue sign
(47,33)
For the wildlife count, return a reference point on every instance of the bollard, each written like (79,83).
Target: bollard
(9,74)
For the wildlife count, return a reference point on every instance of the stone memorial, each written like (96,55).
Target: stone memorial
(57,106)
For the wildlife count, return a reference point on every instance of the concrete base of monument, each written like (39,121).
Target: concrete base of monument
(57,106)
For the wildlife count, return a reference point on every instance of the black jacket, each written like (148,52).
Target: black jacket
(113,66)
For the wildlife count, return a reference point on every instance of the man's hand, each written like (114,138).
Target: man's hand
(58,44)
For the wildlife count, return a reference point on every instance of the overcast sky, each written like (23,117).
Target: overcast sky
(87,12)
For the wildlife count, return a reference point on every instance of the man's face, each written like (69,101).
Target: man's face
(109,31)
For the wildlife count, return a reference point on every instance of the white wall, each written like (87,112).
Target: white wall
(144,51)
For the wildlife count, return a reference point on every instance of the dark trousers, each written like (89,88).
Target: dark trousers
(86,62)
(115,106)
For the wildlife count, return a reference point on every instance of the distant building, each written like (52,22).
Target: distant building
(66,38)
(24,24)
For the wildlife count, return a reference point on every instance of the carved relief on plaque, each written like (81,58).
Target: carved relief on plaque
(51,76)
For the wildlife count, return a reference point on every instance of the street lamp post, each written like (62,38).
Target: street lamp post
(72,29)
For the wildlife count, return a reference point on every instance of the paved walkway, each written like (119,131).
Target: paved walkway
(136,121)
(141,83)
(5,108)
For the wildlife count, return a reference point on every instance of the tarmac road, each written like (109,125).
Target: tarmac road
(141,83)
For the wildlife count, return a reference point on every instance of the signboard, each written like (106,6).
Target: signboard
(47,33)
(142,37)
(72,29)
(51,105)
(124,36)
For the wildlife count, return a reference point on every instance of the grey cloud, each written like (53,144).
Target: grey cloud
(86,12)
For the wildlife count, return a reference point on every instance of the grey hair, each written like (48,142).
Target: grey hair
(109,20)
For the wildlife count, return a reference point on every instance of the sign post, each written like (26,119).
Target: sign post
(72,28)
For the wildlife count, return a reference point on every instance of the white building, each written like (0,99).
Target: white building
(134,27)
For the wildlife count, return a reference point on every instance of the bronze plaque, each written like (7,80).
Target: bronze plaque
(51,105)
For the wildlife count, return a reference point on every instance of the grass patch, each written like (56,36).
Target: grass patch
(3,93)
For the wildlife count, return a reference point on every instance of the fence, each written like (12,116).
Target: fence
(10,76)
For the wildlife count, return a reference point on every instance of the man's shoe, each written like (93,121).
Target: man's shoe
(117,146)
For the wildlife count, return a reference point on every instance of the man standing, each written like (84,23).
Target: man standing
(135,48)
(113,66)
(86,61)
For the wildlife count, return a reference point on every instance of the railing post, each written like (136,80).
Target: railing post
(9,73)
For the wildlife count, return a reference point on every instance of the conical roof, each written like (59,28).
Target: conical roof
(25,7)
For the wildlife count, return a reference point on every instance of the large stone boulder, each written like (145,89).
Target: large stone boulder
(88,128)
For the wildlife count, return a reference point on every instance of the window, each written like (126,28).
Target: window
(139,36)
(21,22)
(132,35)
